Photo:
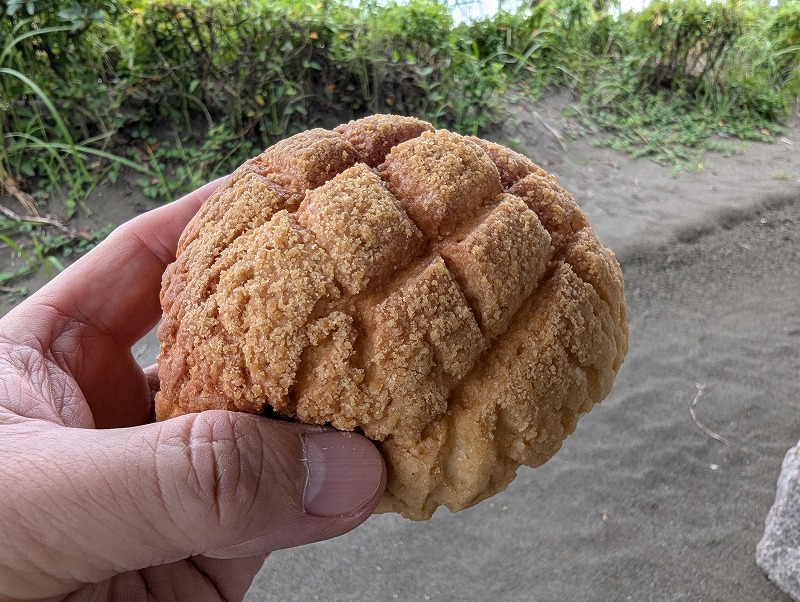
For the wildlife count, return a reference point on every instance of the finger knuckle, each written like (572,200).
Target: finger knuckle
(207,472)
(224,467)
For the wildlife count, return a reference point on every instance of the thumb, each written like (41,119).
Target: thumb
(220,484)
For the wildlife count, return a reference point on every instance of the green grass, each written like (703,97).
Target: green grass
(89,88)
(40,246)
(659,82)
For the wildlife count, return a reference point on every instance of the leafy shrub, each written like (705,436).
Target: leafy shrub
(58,93)
(263,68)
(273,67)
(685,43)
(765,72)
(82,78)
(57,44)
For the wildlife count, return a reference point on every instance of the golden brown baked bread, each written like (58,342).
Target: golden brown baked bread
(441,294)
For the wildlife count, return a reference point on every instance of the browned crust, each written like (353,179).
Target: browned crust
(442,294)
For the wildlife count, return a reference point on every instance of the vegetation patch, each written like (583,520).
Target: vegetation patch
(176,92)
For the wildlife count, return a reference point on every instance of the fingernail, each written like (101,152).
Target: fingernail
(345,472)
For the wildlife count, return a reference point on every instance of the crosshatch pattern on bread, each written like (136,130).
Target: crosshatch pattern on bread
(441,294)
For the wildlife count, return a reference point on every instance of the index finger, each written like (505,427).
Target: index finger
(114,288)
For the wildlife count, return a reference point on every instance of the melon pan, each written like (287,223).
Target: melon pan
(440,294)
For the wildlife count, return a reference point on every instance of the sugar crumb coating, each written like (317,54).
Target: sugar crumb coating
(441,294)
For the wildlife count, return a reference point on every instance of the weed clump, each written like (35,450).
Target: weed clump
(183,90)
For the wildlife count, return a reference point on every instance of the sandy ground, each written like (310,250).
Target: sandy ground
(640,503)
(662,492)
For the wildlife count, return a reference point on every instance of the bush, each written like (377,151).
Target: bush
(58,45)
(263,69)
(685,44)
(304,62)
(764,76)
(686,70)
(161,82)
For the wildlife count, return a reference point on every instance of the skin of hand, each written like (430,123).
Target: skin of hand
(98,502)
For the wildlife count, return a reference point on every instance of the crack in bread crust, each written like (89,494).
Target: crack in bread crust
(441,294)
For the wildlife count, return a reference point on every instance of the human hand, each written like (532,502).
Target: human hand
(96,501)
